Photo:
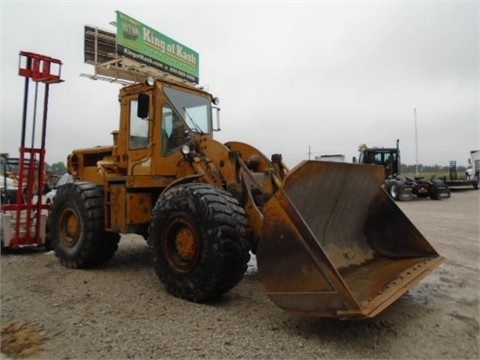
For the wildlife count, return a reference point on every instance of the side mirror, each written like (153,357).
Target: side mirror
(218,117)
(143,105)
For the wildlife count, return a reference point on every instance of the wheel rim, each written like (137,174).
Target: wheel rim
(393,191)
(181,245)
(69,227)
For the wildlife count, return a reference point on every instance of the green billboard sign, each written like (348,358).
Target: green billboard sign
(140,42)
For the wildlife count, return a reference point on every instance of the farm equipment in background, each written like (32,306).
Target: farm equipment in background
(23,213)
(8,179)
(472,173)
(328,240)
(400,187)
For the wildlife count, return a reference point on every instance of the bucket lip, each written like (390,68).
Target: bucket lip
(405,281)
(367,309)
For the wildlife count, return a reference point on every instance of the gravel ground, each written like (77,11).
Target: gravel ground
(121,311)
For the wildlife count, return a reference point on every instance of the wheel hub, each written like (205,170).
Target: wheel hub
(69,227)
(186,243)
(181,245)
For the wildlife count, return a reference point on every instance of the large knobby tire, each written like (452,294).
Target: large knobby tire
(76,226)
(198,241)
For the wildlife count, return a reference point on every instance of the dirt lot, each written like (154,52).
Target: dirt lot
(121,311)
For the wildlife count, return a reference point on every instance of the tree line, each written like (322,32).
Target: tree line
(57,168)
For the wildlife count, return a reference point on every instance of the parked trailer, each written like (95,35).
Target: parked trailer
(472,173)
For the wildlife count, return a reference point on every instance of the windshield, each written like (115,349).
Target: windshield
(378,156)
(194,109)
(385,157)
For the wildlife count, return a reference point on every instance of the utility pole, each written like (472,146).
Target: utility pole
(309,152)
(416,143)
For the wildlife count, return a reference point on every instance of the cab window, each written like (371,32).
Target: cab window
(139,128)
(195,110)
(174,132)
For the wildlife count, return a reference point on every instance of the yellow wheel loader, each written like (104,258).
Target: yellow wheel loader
(328,239)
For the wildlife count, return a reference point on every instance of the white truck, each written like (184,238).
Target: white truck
(472,172)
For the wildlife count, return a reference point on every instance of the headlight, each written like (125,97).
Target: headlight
(185,150)
(150,81)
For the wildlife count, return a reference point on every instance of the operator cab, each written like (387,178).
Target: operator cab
(388,158)
(184,117)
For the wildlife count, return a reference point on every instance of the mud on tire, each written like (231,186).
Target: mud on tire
(76,226)
(198,241)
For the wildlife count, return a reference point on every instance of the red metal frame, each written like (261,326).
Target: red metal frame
(27,213)
(39,68)
(31,181)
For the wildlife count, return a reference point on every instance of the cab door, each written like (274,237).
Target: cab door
(129,197)
(139,139)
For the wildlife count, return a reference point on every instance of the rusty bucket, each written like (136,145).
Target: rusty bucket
(334,244)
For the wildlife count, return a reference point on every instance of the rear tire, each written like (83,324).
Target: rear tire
(439,190)
(198,241)
(76,226)
(437,195)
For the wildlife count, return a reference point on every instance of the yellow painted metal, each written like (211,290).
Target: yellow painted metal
(334,244)
(139,207)
(116,211)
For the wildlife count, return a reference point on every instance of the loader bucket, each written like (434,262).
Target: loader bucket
(334,244)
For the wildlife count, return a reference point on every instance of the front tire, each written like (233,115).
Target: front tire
(198,241)
(76,226)
(394,191)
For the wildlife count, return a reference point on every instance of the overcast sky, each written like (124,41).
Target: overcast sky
(291,76)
